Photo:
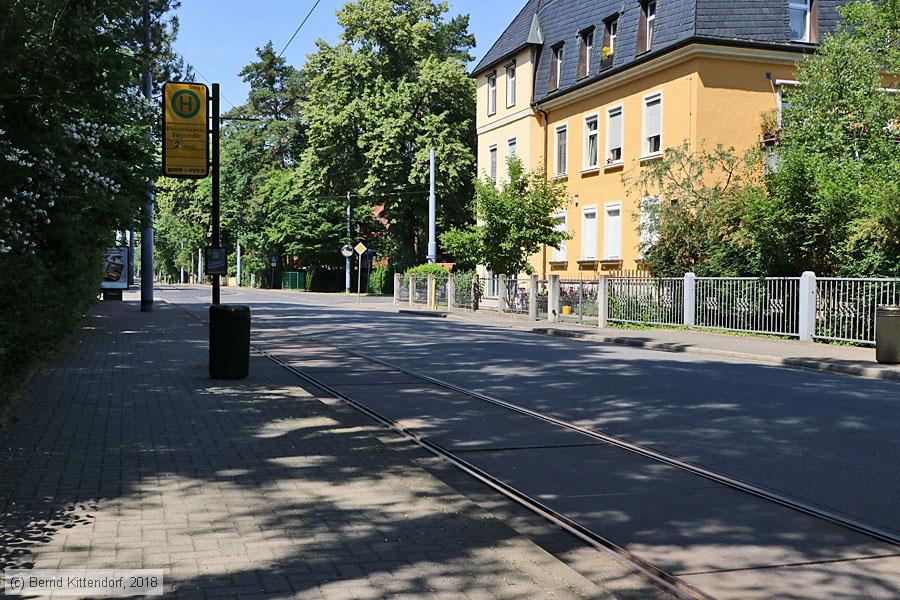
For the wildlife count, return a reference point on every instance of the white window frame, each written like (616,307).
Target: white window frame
(647,238)
(589,49)
(561,254)
(806,7)
(620,108)
(613,32)
(645,137)
(492,94)
(511,85)
(586,164)
(512,147)
(557,172)
(493,162)
(651,23)
(589,253)
(607,255)
(560,53)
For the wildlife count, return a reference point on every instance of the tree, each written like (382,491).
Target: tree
(695,212)
(835,198)
(395,86)
(514,221)
(74,159)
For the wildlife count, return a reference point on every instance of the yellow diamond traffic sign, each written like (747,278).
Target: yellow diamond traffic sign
(360,248)
(185,128)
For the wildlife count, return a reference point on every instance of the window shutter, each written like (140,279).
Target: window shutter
(582,57)
(554,70)
(615,130)
(642,30)
(653,117)
(814,21)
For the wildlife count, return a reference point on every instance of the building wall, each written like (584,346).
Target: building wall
(706,101)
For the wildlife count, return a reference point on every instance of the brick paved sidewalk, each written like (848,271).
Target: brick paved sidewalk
(127,456)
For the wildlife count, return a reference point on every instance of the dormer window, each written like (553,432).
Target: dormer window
(585,50)
(556,67)
(800,11)
(610,31)
(646,27)
(492,94)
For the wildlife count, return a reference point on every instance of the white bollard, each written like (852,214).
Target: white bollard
(602,301)
(553,300)
(690,299)
(807,306)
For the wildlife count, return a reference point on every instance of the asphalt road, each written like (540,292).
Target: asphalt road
(829,440)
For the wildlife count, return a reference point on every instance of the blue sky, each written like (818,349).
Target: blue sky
(220,37)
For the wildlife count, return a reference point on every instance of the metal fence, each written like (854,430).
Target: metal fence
(440,292)
(845,308)
(578,300)
(754,305)
(543,299)
(653,301)
(420,290)
(403,288)
(516,297)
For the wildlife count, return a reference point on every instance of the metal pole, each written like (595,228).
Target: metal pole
(147,221)
(432,214)
(181,269)
(239,264)
(130,257)
(347,261)
(359,280)
(216,228)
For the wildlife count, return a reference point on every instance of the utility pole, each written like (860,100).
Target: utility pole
(147,224)
(239,264)
(347,262)
(432,215)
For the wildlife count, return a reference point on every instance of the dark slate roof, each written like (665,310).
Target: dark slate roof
(760,22)
(513,39)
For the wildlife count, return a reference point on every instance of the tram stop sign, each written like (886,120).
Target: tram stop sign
(185,130)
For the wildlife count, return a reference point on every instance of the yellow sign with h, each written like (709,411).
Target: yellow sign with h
(185,130)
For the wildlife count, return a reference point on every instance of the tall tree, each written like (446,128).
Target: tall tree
(394,87)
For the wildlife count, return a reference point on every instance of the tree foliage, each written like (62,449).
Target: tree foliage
(75,158)
(513,221)
(829,198)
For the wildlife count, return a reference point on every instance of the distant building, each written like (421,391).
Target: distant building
(590,89)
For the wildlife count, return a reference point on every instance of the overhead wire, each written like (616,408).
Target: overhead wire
(302,23)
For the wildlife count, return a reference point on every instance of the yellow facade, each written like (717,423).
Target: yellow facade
(708,96)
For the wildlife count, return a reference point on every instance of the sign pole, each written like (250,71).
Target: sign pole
(216,233)
(147,209)
(359,280)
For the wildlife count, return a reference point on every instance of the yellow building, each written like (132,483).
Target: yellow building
(592,92)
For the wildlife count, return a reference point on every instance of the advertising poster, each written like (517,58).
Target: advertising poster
(115,269)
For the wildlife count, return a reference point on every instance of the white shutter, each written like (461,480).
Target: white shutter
(613,232)
(654,116)
(615,128)
(589,234)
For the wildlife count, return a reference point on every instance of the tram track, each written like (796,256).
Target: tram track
(667,581)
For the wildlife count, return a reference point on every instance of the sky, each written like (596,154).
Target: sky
(219,37)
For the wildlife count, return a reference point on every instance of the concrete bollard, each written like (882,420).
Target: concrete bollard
(451,292)
(430,299)
(533,298)
(398,283)
(412,290)
(603,301)
(553,300)
(502,294)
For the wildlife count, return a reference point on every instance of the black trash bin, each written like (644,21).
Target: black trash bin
(229,341)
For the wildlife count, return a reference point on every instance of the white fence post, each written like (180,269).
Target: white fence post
(807,306)
(690,299)
(430,300)
(398,281)
(502,304)
(451,291)
(553,299)
(533,298)
(412,290)
(602,301)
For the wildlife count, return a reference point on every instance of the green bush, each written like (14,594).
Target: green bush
(381,280)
